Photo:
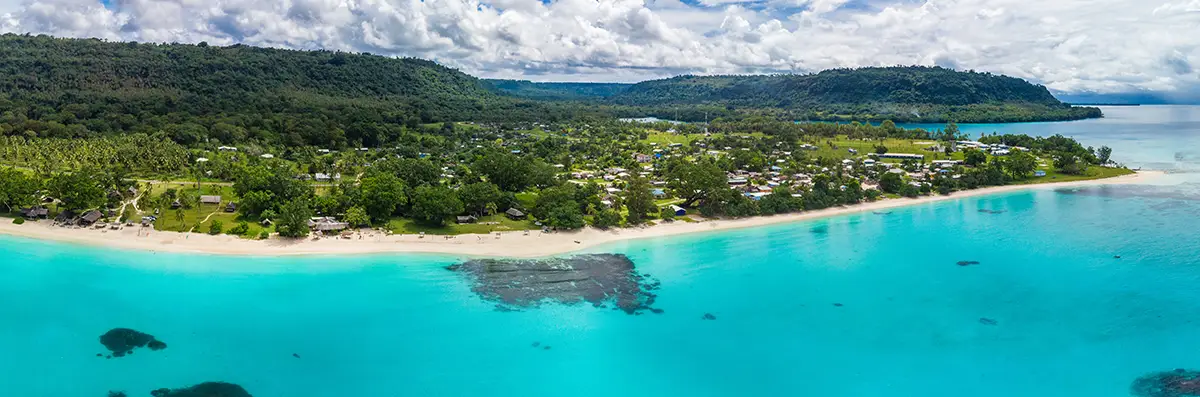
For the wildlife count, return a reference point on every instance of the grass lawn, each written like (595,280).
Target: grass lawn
(168,220)
(409,226)
(844,143)
(1093,172)
(664,139)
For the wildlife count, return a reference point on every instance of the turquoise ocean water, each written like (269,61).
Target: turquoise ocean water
(1070,319)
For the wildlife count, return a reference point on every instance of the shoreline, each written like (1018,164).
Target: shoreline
(513,244)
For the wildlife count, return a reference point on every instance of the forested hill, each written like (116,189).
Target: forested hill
(913,92)
(71,87)
(557,91)
(77,88)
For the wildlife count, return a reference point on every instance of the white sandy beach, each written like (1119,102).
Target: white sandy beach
(507,244)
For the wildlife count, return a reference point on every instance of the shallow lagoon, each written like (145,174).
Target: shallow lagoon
(861,305)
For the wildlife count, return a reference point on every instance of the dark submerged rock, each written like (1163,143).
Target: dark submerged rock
(122,341)
(545,347)
(116,393)
(709,316)
(987,321)
(1177,383)
(535,344)
(967,263)
(838,305)
(993,212)
(1116,257)
(295,355)
(594,278)
(206,389)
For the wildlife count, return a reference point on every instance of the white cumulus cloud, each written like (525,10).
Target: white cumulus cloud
(1068,45)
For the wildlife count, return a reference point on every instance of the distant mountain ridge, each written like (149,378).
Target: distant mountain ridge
(906,93)
(893,85)
(557,91)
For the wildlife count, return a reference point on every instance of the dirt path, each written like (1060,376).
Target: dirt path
(202,221)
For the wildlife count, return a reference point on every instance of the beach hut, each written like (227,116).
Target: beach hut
(210,199)
(679,211)
(35,213)
(515,214)
(465,219)
(326,224)
(90,217)
(231,207)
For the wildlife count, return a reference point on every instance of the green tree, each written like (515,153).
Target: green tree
(565,216)
(553,198)
(880,149)
(414,172)
(508,171)
(253,203)
(293,217)
(1020,164)
(666,214)
(853,193)
(780,201)
(1104,155)
(951,129)
(477,196)
(239,230)
(639,200)
(17,189)
(357,217)
(607,218)
(696,181)
(974,157)
(76,190)
(433,204)
(215,227)
(891,183)
(382,195)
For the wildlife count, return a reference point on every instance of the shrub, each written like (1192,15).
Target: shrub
(19,221)
(215,228)
(607,218)
(264,235)
(872,194)
(239,230)
(667,214)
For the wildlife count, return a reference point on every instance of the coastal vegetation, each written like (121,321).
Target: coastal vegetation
(481,178)
(252,142)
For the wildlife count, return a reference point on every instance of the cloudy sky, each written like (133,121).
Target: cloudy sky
(1071,46)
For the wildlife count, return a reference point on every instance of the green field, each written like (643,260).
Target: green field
(838,148)
(503,224)
(664,139)
(1093,172)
